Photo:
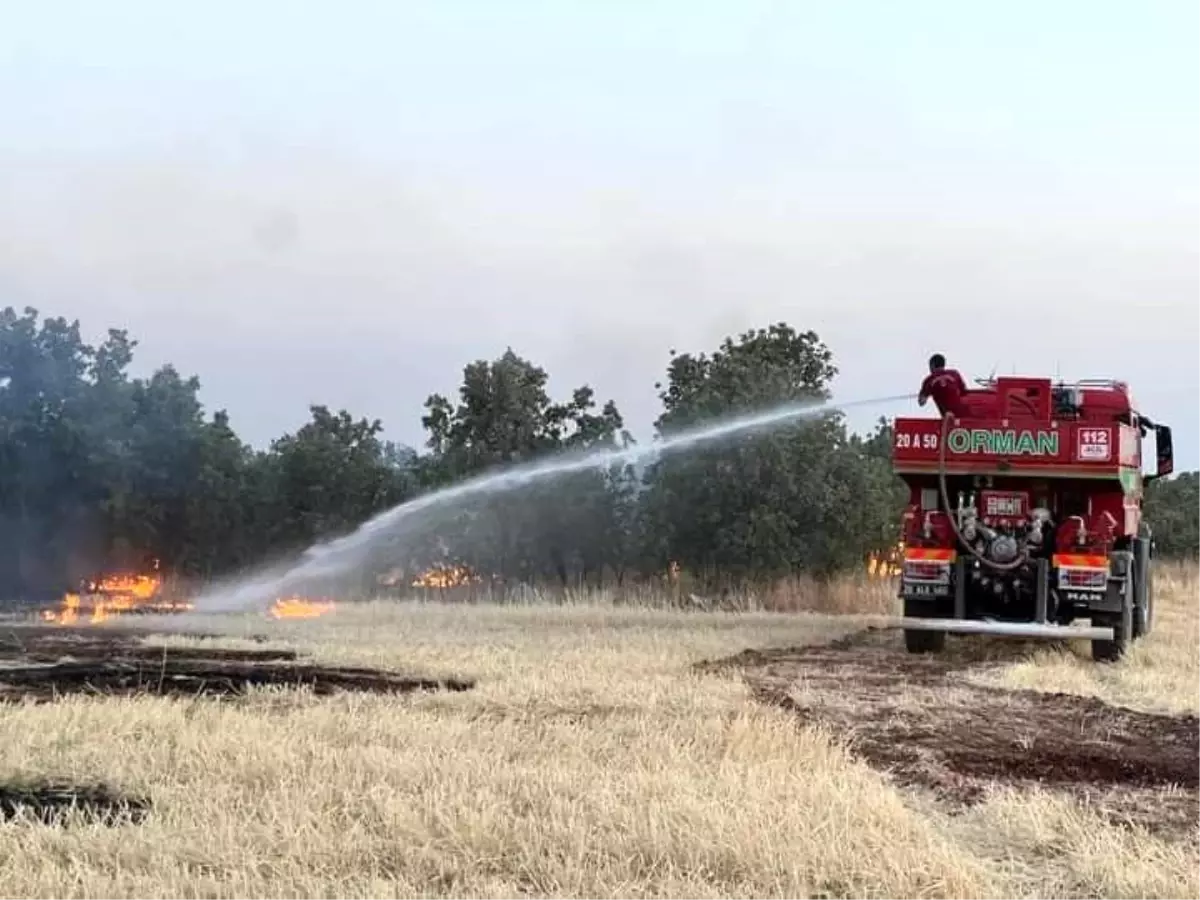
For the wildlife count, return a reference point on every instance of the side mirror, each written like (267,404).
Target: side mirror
(1163,450)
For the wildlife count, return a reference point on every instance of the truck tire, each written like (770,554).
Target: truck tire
(1109,651)
(922,641)
(1121,623)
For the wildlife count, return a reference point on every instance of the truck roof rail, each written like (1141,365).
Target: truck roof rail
(1110,383)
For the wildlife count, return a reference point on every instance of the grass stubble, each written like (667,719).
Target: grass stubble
(589,760)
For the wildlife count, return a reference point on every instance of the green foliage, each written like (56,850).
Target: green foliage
(505,416)
(100,469)
(1173,512)
(572,529)
(805,496)
(328,477)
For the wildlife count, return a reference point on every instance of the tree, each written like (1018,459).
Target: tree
(100,469)
(57,395)
(801,495)
(1172,508)
(328,477)
(568,529)
(226,528)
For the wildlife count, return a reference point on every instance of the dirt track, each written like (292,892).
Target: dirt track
(921,720)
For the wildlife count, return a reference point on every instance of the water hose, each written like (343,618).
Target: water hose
(1022,557)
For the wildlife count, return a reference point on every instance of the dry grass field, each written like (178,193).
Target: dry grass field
(612,750)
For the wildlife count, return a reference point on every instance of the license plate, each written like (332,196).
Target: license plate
(1070,579)
(926,590)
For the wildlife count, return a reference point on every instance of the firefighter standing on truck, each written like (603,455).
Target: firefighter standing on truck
(945,386)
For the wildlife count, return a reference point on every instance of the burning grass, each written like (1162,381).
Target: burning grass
(591,759)
(123,594)
(300,608)
(117,594)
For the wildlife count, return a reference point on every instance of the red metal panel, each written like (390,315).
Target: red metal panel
(1107,403)
(1018,444)
(1024,397)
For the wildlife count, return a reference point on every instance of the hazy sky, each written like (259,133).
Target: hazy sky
(346,202)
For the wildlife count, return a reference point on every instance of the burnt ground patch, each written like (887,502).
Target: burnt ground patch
(52,642)
(97,650)
(918,718)
(200,678)
(45,664)
(55,803)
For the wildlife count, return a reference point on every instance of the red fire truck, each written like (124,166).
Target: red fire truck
(1025,515)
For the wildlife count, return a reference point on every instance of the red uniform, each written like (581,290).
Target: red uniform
(947,388)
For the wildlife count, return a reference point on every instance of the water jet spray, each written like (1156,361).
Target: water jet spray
(335,557)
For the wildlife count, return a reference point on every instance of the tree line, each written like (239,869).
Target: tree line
(100,469)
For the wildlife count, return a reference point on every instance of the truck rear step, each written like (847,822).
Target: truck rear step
(1006,629)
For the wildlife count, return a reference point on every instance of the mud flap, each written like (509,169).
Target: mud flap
(1121,597)
(1143,610)
(922,640)
(1042,592)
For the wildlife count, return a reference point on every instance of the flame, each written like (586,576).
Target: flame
(296,607)
(132,589)
(886,565)
(114,595)
(67,615)
(444,576)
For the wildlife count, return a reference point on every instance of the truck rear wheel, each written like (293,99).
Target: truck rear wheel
(922,641)
(1122,624)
